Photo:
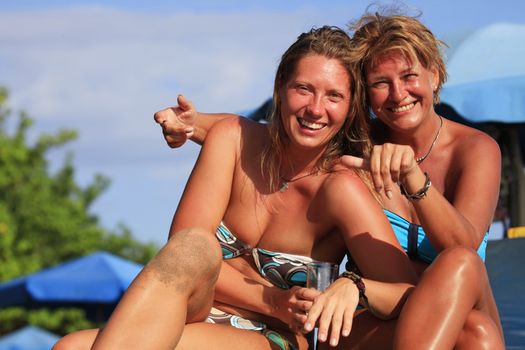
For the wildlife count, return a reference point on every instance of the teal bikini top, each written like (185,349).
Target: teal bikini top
(415,242)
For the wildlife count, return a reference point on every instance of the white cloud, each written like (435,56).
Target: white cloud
(104,72)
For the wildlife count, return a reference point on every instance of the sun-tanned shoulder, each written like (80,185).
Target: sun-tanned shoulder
(235,131)
(344,187)
(475,144)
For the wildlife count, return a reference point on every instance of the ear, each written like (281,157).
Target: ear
(434,79)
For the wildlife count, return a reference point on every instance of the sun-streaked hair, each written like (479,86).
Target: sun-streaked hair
(353,138)
(374,35)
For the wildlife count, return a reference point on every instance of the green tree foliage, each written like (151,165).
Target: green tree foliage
(60,321)
(44,217)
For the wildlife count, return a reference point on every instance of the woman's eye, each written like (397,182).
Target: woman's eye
(379,85)
(302,88)
(335,97)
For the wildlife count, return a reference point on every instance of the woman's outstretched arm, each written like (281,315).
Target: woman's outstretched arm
(183,122)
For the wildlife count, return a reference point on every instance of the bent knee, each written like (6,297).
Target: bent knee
(197,244)
(462,257)
(190,254)
(66,343)
(463,261)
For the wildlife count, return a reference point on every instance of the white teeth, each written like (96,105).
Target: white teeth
(310,125)
(403,108)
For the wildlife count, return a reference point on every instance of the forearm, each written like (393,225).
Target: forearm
(236,289)
(385,300)
(444,224)
(204,122)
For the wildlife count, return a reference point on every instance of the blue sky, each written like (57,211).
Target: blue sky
(104,67)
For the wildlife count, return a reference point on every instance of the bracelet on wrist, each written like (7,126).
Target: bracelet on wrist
(358,281)
(419,194)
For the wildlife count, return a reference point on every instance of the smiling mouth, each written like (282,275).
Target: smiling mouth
(310,125)
(403,108)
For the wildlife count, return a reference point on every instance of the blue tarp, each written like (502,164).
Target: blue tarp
(96,278)
(28,338)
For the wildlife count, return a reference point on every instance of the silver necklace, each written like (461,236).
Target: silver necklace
(421,159)
(285,182)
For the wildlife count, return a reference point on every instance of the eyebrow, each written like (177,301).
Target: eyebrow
(409,69)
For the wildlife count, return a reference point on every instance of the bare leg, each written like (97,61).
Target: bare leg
(479,333)
(438,310)
(174,288)
(196,336)
(478,330)
(208,336)
(80,340)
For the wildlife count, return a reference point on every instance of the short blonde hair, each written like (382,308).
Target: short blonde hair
(375,35)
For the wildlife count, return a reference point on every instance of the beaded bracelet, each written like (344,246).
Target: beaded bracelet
(358,281)
(419,194)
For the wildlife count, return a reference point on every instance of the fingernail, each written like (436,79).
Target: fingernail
(345,332)
(308,326)
(333,342)
(389,194)
(321,336)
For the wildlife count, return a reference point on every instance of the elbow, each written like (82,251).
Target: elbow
(472,242)
(461,238)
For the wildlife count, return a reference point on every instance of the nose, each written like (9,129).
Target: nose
(315,106)
(398,91)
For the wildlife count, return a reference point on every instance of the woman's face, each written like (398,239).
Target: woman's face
(315,101)
(400,92)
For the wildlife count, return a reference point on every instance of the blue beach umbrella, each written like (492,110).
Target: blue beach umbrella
(99,278)
(487,75)
(28,338)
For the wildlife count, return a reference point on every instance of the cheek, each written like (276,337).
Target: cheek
(293,101)
(376,98)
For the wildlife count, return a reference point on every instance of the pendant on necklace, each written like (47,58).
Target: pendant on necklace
(284,186)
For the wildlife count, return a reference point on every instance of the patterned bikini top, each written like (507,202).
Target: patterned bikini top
(281,269)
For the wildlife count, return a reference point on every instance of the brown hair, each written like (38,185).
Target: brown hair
(376,34)
(353,138)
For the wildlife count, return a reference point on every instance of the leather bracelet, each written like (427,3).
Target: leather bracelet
(358,281)
(419,194)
